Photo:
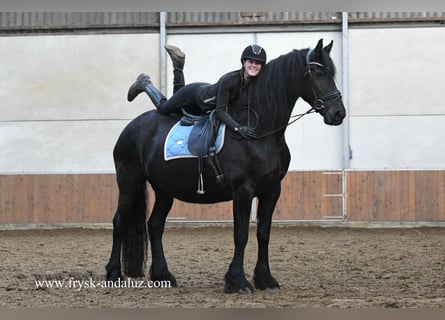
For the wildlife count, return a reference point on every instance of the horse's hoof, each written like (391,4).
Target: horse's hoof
(266,283)
(247,289)
(172,281)
(165,278)
(238,284)
(114,276)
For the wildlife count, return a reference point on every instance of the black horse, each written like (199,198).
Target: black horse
(252,168)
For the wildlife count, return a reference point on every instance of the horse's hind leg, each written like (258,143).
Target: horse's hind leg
(263,279)
(129,226)
(159,269)
(114,265)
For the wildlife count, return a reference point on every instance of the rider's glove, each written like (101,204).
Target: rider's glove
(246,132)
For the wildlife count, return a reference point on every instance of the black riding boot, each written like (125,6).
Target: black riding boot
(144,84)
(178,80)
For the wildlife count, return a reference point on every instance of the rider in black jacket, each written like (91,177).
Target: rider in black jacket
(204,97)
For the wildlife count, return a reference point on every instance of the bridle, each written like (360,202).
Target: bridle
(319,104)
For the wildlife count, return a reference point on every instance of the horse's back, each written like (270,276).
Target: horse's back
(144,133)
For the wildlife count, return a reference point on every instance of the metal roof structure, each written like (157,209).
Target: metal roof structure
(31,22)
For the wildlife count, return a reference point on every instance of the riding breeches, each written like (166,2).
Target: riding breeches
(186,97)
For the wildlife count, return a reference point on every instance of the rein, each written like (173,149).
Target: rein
(297,117)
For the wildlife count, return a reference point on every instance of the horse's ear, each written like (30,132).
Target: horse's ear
(318,50)
(329,47)
(319,45)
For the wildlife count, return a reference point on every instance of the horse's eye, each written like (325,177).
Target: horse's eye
(319,73)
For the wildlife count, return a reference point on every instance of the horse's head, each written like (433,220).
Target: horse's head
(322,93)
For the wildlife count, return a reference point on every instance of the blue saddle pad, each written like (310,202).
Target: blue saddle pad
(175,146)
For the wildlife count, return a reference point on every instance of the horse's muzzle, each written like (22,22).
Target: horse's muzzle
(335,114)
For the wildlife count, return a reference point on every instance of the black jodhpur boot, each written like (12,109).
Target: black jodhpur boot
(177,57)
(143,84)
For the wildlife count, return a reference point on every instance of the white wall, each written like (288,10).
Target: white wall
(64,97)
(397,98)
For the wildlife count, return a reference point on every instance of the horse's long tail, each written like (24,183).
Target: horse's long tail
(134,246)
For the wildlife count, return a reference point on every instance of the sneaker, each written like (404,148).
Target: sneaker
(138,86)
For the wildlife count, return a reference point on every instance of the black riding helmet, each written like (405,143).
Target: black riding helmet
(254,52)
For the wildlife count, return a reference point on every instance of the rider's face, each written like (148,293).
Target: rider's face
(251,68)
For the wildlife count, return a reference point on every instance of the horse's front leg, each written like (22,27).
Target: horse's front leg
(266,204)
(235,278)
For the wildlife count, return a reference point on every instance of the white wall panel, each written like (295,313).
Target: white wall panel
(397,71)
(64,98)
(397,110)
(58,146)
(74,76)
(396,142)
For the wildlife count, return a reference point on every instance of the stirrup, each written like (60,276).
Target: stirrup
(200,185)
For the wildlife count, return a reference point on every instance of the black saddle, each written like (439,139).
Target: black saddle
(203,134)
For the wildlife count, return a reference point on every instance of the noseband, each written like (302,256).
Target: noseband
(319,104)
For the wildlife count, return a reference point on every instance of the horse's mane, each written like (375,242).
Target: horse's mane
(277,75)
